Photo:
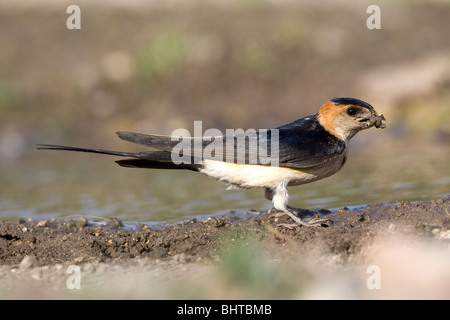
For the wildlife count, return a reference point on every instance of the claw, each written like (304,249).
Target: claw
(318,222)
(313,222)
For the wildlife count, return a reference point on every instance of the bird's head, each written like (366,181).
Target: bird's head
(344,117)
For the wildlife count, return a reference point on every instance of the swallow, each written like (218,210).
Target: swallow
(308,149)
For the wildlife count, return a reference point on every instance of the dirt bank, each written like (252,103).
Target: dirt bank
(233,256)
(347,233)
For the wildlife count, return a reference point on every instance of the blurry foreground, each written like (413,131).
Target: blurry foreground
(406,271)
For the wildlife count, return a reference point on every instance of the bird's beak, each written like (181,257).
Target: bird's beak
(375,120)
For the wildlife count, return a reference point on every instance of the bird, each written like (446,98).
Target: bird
(308,149)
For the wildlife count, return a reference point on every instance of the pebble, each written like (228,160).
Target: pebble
(27,262)
(114,223)
(436,231)
(81,222)
(42,223)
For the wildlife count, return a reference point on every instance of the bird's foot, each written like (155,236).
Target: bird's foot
(292,213)
(274,213)
(314,222)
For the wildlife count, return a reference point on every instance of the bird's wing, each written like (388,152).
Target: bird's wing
(301,144)
(236,148)
(308,151)
(159,142)
(304,143)
(168,143)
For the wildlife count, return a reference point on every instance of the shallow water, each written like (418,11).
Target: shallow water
(68,185)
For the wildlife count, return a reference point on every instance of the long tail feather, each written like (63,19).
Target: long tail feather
(78,149)
(147,159)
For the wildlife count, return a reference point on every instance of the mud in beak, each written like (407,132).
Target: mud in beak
(375,120)
(378,121)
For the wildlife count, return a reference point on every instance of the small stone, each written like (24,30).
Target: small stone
(42,223)
(81,222)
(140,226)
(27,262)
(114,223)
(436,231)
(78,260)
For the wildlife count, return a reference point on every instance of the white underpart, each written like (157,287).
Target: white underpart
(254,176)
(275,179)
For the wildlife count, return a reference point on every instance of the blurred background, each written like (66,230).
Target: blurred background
(155,66)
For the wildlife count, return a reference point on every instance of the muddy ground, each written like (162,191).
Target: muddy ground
(346,233)
(174,251)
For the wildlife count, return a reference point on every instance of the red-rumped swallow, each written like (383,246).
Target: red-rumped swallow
(309,149)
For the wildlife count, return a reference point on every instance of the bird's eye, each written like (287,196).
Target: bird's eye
(352,111)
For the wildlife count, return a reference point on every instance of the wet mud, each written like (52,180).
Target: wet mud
(348,232)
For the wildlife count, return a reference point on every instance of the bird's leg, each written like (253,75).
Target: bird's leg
(269,193)
(293,215)
(280,198)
